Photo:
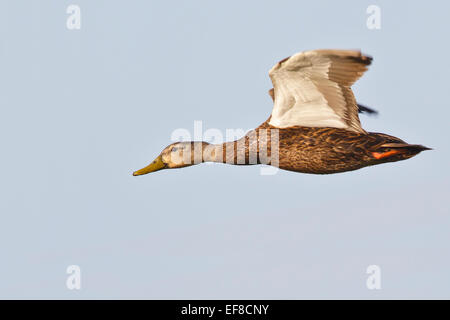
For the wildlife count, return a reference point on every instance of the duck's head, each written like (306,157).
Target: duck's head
(175,155)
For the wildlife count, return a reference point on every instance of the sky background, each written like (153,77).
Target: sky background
(82,109)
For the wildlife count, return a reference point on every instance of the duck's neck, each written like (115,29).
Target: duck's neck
(245,151)
(233,152)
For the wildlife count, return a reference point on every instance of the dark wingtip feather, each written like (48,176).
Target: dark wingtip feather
(367,59)
(364,109)
(362,58)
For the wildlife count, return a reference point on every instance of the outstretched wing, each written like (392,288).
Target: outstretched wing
(312,89)
(361,108)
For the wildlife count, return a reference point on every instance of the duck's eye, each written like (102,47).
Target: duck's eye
(174,149)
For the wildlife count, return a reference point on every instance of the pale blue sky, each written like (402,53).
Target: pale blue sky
(82,109)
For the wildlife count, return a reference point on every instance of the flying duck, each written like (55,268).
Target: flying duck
(314,126)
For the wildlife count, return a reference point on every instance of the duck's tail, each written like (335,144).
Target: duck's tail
(404,149)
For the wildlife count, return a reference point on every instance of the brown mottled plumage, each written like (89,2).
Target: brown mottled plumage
(325,150)
(314,126)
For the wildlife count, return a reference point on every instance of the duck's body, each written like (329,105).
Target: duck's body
(314,126)
(321,150)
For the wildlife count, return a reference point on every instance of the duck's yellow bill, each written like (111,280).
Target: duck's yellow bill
(156,165)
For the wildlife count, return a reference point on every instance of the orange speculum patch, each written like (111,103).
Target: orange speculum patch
(381,155)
